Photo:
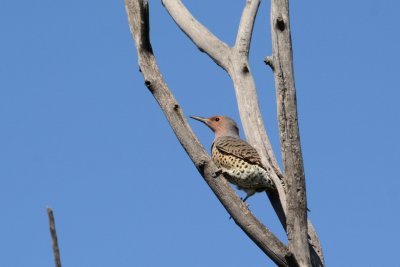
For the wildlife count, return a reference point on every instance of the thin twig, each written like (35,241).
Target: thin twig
(56,250)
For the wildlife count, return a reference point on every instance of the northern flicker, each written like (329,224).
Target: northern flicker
(239,162)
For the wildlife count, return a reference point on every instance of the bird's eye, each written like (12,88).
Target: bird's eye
(216,119)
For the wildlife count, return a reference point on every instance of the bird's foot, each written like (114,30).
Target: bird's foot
(247,205)
(217,173)
(244,201)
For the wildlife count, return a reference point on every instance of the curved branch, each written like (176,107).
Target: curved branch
(137,11)
(245,31)
(246,95)
(200,35)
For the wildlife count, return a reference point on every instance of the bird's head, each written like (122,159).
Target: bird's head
(221,125)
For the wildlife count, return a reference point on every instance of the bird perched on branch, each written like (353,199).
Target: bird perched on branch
(238,161)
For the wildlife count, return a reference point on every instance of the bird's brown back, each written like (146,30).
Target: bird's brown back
(238,148)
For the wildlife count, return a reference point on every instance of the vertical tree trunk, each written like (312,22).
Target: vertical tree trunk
(282,65)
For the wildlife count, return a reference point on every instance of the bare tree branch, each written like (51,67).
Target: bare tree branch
(317,257)
(200,35)
(245,88)
(245,31)
(235,62)
(137,11)
(238,68)
(246,94)
(282,62)
(56,251)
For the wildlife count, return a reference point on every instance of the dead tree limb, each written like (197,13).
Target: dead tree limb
(53,233)
(235,62)
(281,63)
(138,16)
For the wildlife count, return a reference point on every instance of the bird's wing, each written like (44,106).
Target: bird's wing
(238,148)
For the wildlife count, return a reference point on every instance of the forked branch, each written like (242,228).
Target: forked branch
(200,35)
(235,61)
(138,13)
(238,68)
(236,64)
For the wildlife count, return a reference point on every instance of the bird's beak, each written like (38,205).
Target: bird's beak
(197,118)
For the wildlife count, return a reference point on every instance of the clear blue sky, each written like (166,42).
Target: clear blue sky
(80,133)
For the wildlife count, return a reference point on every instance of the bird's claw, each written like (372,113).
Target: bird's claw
(216,174)
(247,205)
(244,201)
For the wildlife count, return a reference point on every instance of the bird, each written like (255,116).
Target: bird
(236,159)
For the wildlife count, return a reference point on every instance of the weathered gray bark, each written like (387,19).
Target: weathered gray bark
(289,133)
(138,16)
(282,66)
(53,233)
(288,201)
